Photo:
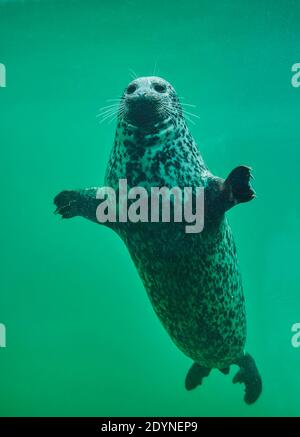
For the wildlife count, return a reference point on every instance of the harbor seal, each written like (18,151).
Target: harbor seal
(192,279)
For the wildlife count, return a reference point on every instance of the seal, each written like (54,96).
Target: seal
(192,279)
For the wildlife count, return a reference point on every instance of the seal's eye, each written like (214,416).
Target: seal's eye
(160,88)
(131,89)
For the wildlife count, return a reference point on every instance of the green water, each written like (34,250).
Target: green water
(82,338)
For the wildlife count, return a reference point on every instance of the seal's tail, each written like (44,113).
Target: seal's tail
(249,375)
(195,376)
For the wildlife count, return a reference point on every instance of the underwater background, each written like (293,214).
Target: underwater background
(82,338)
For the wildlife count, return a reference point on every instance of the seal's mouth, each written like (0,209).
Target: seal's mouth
(143,110)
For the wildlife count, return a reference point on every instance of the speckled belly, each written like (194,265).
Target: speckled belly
(195,288)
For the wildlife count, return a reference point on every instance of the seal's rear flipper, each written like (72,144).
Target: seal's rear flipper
(195,376)
(225,370)
(249,375)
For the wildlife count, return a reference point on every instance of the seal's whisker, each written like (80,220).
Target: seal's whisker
(191,114)
(183,105)
(108,109)
(113,112)
(132,73)
(114,118)
(188,104)
(155,68)
(109,106)
(189,119)
(185,111)
(164,108)
(107,117)
(104,119)
(114,100)
(106,113)
(169,113)
(103,114)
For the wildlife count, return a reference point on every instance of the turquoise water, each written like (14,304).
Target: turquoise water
(82,338)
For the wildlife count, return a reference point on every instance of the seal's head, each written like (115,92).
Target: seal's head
(148,101)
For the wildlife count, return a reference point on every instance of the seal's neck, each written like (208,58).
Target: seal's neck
(151,136)
(166,155)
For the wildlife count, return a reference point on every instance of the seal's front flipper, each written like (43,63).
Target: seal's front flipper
(237,185)
(84,203)
(67,203)
(249,375)
(195,376)
(222,195)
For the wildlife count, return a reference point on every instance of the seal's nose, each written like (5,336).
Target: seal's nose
(142,93)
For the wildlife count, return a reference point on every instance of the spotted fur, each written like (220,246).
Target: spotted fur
(192,279)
